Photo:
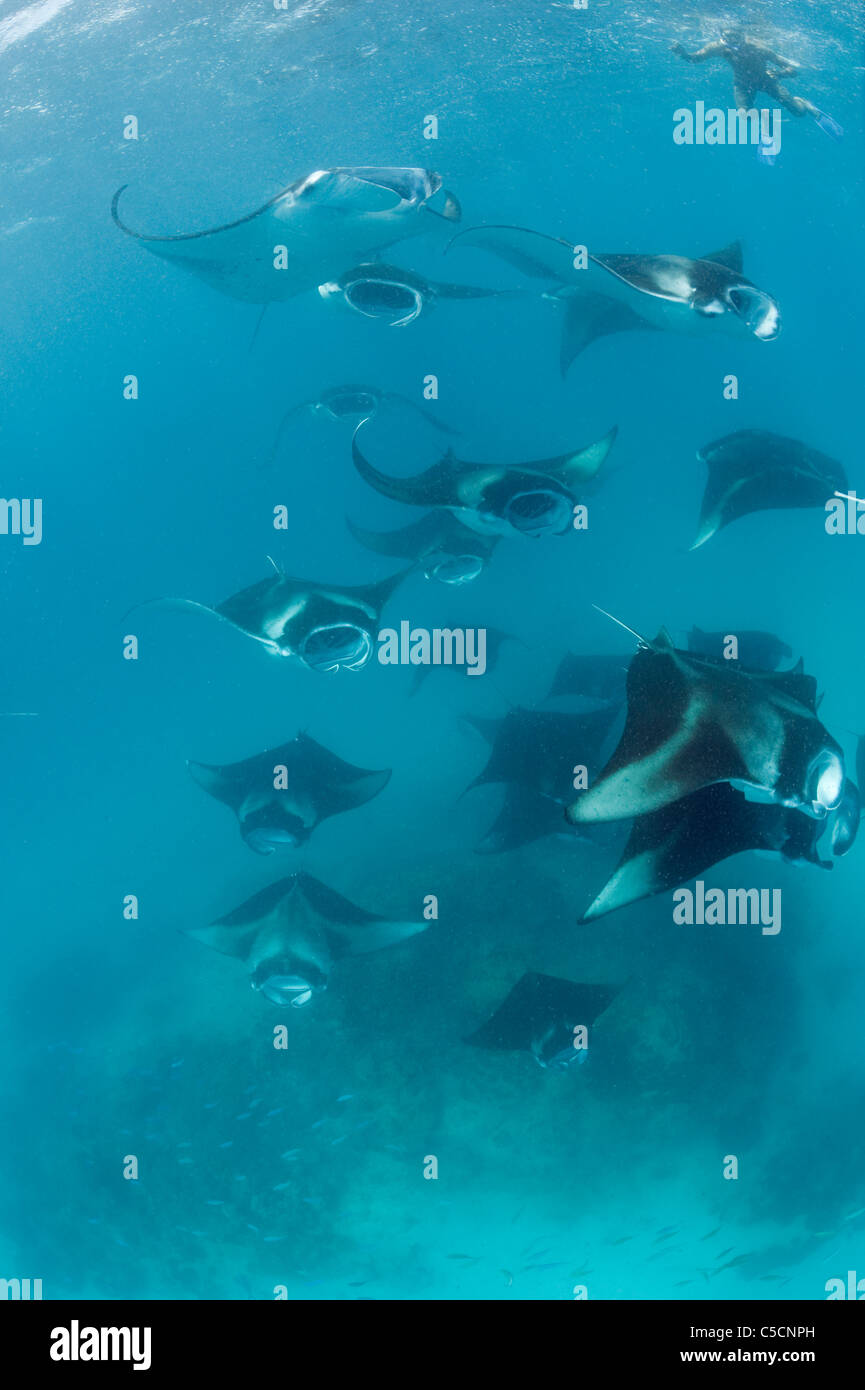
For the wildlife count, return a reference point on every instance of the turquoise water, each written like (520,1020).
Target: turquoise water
(127,1038)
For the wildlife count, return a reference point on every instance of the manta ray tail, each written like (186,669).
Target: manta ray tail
(283,424)
(172,603)
(419,410)
(535,254)
(259,321)
(643,641)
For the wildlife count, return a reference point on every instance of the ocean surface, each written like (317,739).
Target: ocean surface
(156,1143)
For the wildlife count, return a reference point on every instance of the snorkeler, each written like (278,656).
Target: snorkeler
(757,68)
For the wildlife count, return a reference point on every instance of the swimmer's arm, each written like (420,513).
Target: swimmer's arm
(783,66)
(711,50)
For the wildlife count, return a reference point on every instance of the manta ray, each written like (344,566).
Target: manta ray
(527,816)
(755,471)
(393,296)
(308,233)
(328,629)
(541,1016)
(616,293)
(280,796)
(693,720)
(671,846)
(539,749)
(600,677)
(439,543)
(290,934)
(530,499)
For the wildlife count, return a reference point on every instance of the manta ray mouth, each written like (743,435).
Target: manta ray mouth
(352,403)
(285,990)
(410,185)
(824,783)
(539,513)
(337,646)
(757,310)
(391,300)
(846,822)
(264,839)
(454,569)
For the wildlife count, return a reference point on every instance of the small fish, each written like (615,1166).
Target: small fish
(270,1240)
(178,1062)
(215,1202)
(290,1154)
(278,1111)
(851,1216)
(709,1234)
(682,1282)
(667,1230)
(240,1177)
(621,1240)
(358,1283)
(339,1139)
(210,1105)
(227,1145)
(509,1278)
(281,1186)
(245,1116)
(250,1227)
(340,1099)
(665,1235)
(463,1257)
(770,1278)
(254,1103)
(316,1124)
(721,1253)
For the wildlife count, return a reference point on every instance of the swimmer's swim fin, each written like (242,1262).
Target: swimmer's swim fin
(830,126)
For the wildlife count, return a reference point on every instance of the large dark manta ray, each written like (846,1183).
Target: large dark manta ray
(290,934)
(539,1016)
(317,784)
(755,471)
(693,721)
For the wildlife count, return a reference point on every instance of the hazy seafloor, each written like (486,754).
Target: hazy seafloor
(126,1037)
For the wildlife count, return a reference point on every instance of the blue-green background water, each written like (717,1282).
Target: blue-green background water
(127,1037)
